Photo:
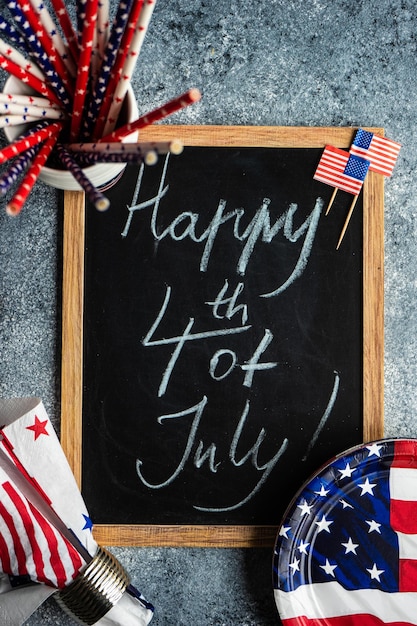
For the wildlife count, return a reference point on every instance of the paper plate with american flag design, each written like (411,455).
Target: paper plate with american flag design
(346,552)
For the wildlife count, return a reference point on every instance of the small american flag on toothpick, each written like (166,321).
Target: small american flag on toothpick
(344,171)
(340,169)
(380,151)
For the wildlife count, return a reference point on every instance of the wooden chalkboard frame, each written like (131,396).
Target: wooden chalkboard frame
(72,322)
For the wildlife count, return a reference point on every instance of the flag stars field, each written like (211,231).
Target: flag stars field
(373,526)
(347,472)
(350,547)
(367,487)
(357,543)
(324,524)
(328,568)
(302,548)
(375,573)
(374,449)
(305,508)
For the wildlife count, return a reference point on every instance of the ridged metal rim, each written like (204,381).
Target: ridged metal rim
(96,590)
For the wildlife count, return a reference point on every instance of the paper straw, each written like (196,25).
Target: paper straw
(28,79)
(20,164)
(119,147)
(31,109)
(28,100)
(45,41)
(52,31)
(54,81)
(9,31)
(117,70)
(29,140)
(88,158)
(17,57)
(110,54)
(129,66)
(83,66)
(16,120)
(16,203)
(95,196)
(189,97)
(102,26)
(101,37)
(66,25)
(99,146)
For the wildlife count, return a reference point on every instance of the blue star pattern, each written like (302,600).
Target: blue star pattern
(363,138)
(339,528)
(357,167)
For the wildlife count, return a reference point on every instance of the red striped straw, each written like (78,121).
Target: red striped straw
(117,69)
(83,67)
(189,97)
(17,57)
(54,34)
(129,65)
(29,140)
(102,27)
(29,79)
(66,25)
(16,203)
(46,43)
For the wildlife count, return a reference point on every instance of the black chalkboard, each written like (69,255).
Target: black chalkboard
(223,357)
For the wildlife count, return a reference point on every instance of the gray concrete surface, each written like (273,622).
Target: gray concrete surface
(314,63)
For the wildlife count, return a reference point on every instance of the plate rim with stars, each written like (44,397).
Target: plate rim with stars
(378,456)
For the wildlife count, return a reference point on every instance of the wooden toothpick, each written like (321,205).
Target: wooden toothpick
(329,206)
(349,215)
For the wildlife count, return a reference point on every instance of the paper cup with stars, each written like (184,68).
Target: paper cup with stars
(46,535)
(346,551)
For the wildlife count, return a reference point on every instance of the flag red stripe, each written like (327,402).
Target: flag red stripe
(385,144)
(6,566)
(405,454)
(17,544)
(77,562)
(377,164)
(30,531)
(381,152)
(403,516)
(9,448)
(75,558)
(408,575)
(340,182)
(54,557)
(330,171)
(348,620)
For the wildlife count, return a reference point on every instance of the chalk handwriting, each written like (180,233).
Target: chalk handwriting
(250,366)
(209,455)
(231,308)
(251,227)
(180,340)
(261,227)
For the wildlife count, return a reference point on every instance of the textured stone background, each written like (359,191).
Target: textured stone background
(315,63)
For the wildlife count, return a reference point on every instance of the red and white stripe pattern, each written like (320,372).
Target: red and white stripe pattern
(380,151)
(332,170)
(403,511)
(29,545)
